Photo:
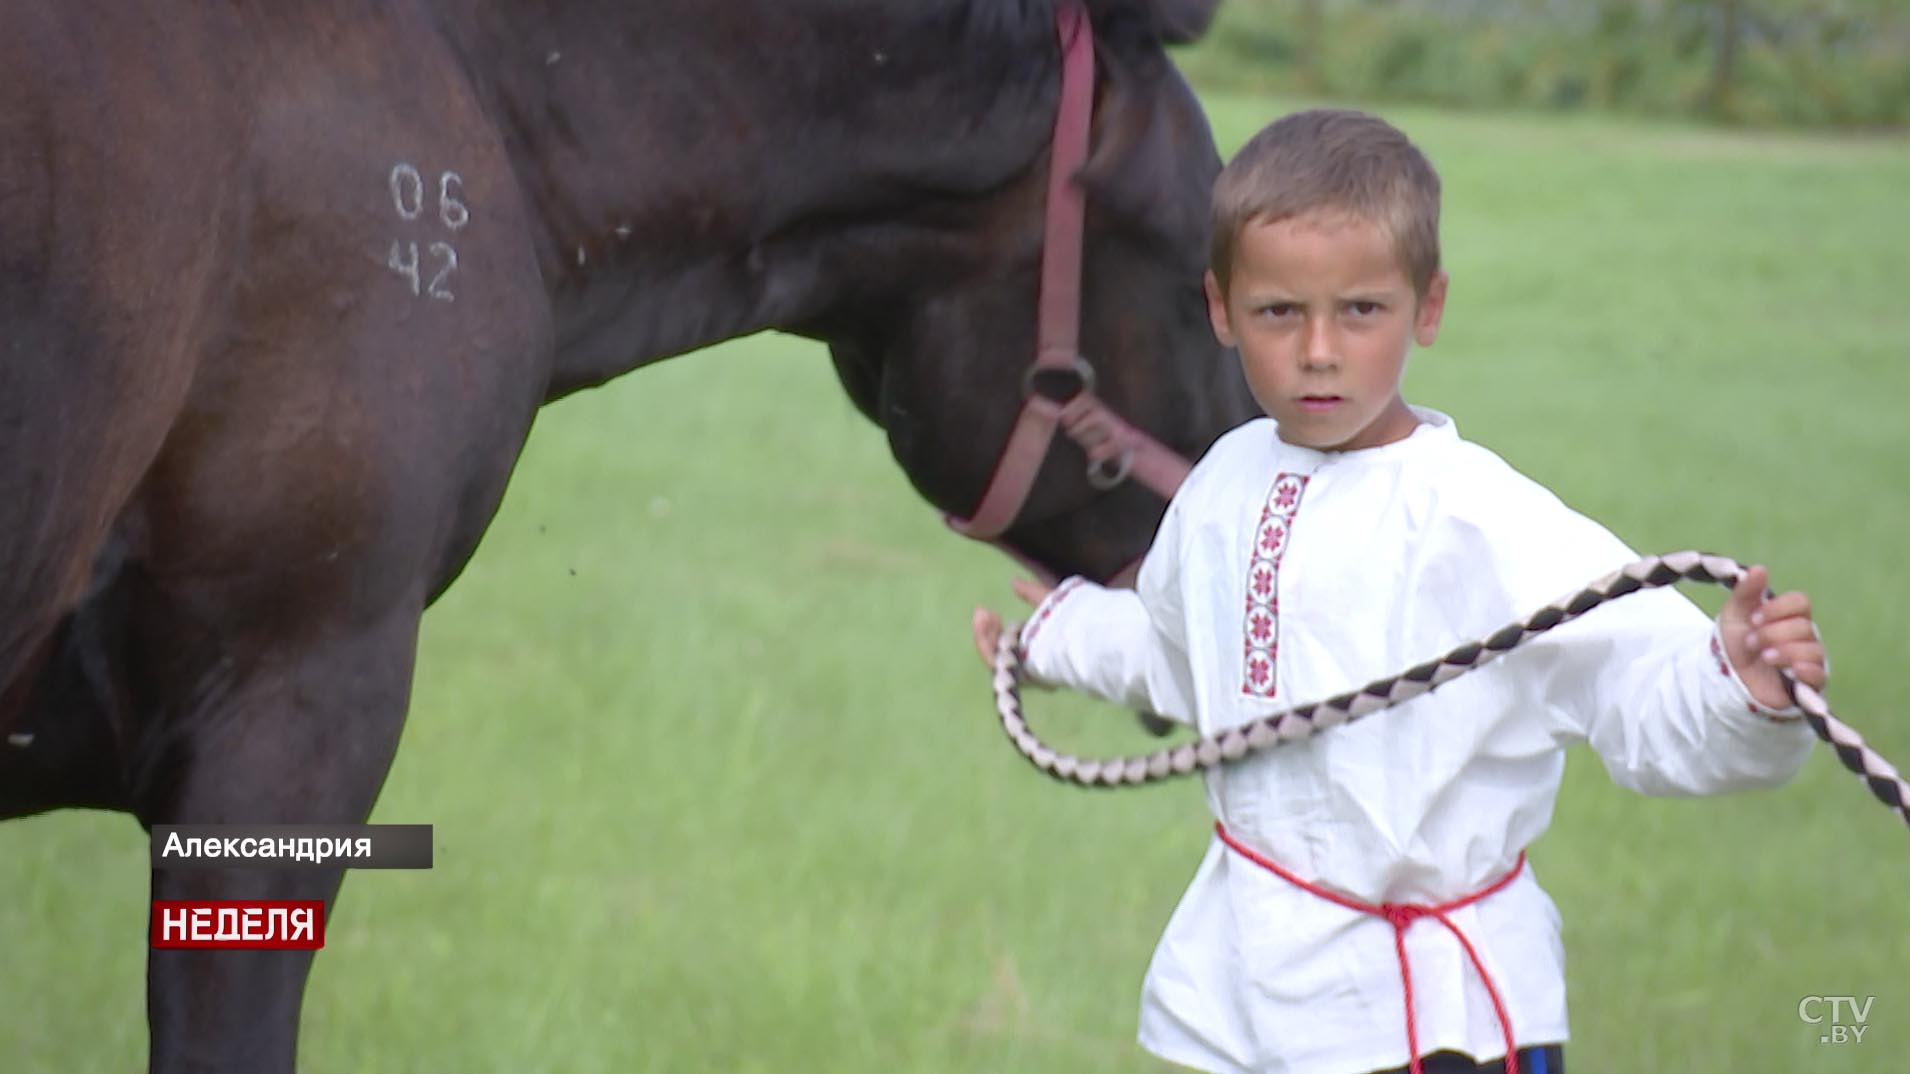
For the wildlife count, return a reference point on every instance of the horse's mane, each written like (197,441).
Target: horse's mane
(1124,27)
(1014,20)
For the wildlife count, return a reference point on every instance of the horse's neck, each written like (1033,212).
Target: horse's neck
(689,163)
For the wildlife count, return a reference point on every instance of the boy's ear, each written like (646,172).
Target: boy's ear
(1217,310)
(1431,309)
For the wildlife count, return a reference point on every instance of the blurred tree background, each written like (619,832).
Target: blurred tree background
(1762,63)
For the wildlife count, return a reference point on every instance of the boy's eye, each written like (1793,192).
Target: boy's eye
(1279,309)
(1362,308)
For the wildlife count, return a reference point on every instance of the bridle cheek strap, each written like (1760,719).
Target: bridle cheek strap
(1115,449)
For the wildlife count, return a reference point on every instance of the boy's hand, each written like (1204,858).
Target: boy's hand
(987,625)
(1761,636)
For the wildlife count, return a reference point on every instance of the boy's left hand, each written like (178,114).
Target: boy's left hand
(987,626)
(1760,636)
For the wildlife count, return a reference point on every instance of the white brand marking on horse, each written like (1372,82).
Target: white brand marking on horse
(450,209)
(406,268)
(407,191)
(408,196)
(450,256)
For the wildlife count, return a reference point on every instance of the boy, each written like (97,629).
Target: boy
(1349,537)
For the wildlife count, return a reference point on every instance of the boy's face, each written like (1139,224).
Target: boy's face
(1324,315)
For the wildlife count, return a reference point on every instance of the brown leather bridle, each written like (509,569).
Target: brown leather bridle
(1116,450)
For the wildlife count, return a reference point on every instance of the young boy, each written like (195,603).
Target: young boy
(1348,537)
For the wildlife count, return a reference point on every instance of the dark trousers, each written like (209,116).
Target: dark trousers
(1547,1059)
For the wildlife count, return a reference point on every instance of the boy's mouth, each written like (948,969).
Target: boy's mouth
(1315,404)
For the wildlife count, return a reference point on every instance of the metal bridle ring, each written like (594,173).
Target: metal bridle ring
(1105,474)
(1077,367)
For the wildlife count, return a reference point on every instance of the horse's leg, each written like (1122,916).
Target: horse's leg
(306,737)
(61,749)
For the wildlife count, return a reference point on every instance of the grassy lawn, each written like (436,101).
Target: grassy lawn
(716,781)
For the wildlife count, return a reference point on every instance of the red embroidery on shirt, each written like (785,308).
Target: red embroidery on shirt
(1261,629)
(1754,706)
(1047,609)
(1717,652)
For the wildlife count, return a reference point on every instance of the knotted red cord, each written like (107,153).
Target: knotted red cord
(1401,916)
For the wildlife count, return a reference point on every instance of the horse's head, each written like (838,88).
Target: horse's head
(937,343)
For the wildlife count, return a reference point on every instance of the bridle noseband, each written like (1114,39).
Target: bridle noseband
(1116,450)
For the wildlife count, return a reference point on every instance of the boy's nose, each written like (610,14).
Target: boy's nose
(1320,350)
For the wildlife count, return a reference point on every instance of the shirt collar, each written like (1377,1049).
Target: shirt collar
(1436,428)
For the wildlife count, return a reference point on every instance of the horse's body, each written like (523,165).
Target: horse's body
(282,286)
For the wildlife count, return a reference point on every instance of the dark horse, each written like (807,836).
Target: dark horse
(282,286)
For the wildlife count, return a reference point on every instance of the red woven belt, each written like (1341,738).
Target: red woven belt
(1401,916)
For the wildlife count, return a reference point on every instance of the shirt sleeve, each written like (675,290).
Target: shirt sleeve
(1124,646)
(1643,679)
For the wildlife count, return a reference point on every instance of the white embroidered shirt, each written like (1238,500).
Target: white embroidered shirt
(1283,575)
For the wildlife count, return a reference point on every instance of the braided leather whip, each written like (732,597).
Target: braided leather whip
(1303,721)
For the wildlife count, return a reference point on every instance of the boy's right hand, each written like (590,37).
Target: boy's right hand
(987,625)
(1762,637)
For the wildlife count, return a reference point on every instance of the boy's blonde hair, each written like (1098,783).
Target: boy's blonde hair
(1336,160)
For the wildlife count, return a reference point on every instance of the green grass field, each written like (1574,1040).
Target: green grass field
(716,781)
